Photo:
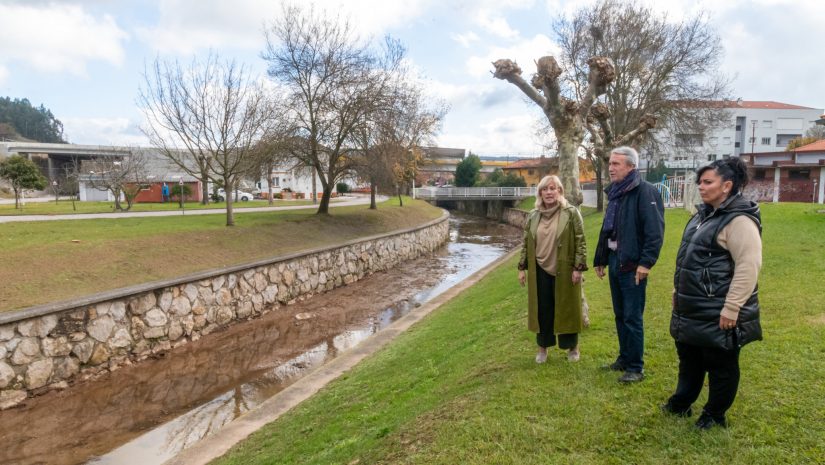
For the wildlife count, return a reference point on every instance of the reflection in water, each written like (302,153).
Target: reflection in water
(147,414)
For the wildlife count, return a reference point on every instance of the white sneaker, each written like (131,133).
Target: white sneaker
(573,355)
(541,357)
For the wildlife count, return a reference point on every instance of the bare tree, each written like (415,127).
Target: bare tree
(567,117)
(121,177)
(334,79)
(664,76)
(206,118)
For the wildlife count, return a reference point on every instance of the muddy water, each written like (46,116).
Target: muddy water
(146,414)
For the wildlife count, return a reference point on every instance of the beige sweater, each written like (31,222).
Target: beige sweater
(546,251)
(741,238)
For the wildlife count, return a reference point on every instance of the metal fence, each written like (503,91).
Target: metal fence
(672,191)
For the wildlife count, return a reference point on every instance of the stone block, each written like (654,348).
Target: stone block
(165,301)
(155,318)
(27,351)
(37,327)
(100,354)
(118,310)
(9,399)
(120,339)
(191,292)
(7,374)
(175,331)
(224,315)
(101,328)
(6,332)
(142,304)
(65,368)
(182,306)
(218,282)
(38,373)
(154,332)
(56,347)
(83,350)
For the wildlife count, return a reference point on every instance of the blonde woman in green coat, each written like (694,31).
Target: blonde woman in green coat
(553,258)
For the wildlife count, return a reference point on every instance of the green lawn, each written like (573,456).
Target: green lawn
(46,261)
(462,387)
(65,207)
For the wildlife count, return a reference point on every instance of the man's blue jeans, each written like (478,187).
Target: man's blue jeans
(628,309)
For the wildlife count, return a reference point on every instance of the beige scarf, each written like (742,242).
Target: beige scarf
(546,238)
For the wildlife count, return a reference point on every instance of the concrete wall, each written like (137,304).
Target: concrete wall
(46,347)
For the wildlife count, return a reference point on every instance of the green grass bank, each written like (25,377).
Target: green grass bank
(47,261)
(462,386)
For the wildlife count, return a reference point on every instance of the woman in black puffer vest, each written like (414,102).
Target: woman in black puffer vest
(715,302)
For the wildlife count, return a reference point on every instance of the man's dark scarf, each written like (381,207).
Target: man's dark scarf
(614,193)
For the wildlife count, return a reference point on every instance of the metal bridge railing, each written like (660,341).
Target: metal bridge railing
(458,193)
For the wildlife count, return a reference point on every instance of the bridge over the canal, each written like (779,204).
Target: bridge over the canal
(473,193)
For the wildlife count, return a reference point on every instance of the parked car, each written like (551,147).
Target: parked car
(237,195)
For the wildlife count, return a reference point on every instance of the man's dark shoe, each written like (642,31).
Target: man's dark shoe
(668,408)
(707,421)
(631,377)
(615,366)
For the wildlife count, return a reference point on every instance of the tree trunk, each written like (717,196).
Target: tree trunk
(569,167)
(323,207)
(16,199)
(398,191)
(230,214)
(204,188)
(373,189)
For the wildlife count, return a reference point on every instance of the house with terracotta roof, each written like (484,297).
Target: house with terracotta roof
(753,127)
(789,176)
(533,169)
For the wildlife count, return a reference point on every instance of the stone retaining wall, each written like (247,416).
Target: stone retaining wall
(47,347)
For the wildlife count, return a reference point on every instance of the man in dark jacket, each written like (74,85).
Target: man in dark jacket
(629,244)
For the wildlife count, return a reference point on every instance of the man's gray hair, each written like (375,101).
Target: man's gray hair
(630,154)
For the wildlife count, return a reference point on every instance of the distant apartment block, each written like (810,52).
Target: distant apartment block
(753,127)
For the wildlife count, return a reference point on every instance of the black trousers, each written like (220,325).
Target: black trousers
(546,337)
(722,368)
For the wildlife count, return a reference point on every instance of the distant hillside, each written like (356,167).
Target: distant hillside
(20,121)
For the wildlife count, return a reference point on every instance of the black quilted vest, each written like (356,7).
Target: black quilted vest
(703,275)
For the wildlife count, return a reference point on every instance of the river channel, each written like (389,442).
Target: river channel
(146,414)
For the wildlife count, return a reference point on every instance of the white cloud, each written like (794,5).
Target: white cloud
(495,24)
(525,53)
(104,131)
(4,73)
(58,38)
(465,39)
(186,26)
(511,135)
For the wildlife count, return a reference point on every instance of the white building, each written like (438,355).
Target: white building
(753,127)
(297,179)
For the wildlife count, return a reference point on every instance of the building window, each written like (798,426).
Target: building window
(712,157)
(783,139)
(738,127)
(736,145)
(530,172)
(766,141)
(767,123)
(759,175)
(751,140)
(799,174)
(689,140)
(726,141)
(725,156)
(713,141)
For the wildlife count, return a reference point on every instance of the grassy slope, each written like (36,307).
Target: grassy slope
(461,387)
(64,207)
(39,263)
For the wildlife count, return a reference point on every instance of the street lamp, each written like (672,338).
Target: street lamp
(54,188)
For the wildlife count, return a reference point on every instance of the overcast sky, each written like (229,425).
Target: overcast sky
(84,59)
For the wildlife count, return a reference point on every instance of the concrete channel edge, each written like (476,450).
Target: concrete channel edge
(270,410)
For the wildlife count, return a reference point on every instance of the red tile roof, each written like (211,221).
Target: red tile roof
(818,146)
(752,104)
(532,163)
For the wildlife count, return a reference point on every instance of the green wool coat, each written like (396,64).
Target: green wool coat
(572,254)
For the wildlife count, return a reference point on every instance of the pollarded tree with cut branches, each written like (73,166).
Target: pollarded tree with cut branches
(665,74)
(567,117)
